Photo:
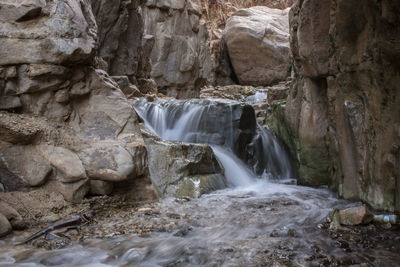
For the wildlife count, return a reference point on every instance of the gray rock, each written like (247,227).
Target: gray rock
(178,169)
(107,161)
(69,167)
(181,60)
(257,40)
(67,32)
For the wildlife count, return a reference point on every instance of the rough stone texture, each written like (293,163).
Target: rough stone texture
(120,33)
(355,216)
(257,40)
(5,226)
(55,32)
(344,104)
(22,166)
(179,169)
(65,161)
(49,51)
(180,56)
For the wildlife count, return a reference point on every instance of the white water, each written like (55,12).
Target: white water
(218,123)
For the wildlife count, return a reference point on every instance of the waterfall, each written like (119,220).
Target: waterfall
(245,149)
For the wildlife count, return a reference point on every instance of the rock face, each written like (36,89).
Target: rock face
(344,105)
(180,56)
(257,41)
(179,169)
(75,124)
(120,25)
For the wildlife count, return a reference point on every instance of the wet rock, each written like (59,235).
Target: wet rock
(15,219)
(5,226)
(178,169)
(355,216)
(101,188)
(257,40)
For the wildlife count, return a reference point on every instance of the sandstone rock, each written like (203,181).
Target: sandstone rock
(69,167)
(107,161)
(257,40)
(102,188)
(15,219)
(5,226)
(178,169)
(65,34)
(147,86)
(355,216)
(180,57)
(22,166)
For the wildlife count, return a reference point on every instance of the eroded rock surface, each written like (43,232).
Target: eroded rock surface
(180,56)
(344,105)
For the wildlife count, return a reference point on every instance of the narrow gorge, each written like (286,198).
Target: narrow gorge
(199,133)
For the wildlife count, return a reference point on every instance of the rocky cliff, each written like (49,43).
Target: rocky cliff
(75,130)
(344,105)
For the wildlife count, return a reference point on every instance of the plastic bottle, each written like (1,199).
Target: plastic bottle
(386,218)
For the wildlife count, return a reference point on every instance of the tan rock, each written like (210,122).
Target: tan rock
(355,216)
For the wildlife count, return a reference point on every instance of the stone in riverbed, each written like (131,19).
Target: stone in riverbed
(5,226)
(178,169)
(355,216)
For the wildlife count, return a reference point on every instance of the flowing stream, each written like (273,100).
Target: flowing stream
(257,221)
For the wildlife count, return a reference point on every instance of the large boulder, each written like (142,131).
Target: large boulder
(178,169)
(257,41)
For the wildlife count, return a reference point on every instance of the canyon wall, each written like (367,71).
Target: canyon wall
(69,128)
(344,105)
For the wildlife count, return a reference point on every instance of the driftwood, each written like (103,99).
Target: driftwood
(73,220)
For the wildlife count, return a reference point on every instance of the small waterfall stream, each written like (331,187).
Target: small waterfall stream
(223,125)
(253,223)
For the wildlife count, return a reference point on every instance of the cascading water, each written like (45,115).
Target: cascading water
(228,126)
